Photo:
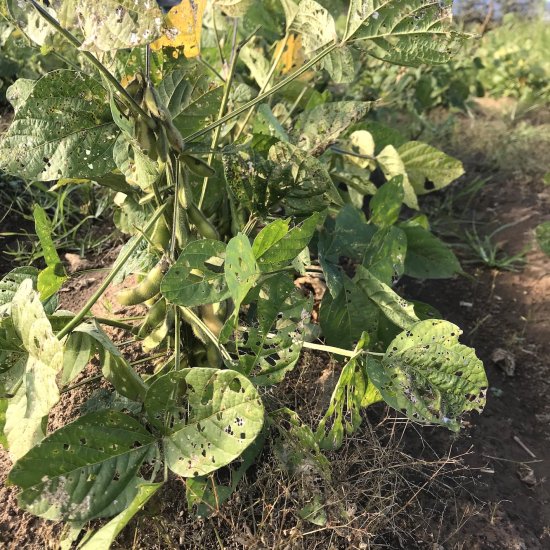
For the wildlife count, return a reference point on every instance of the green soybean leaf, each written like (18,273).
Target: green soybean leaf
(27,411)
(340,65)
(352,392)
(275,246)
(299,181)
(240,268)
(197,277)
(52,278)
(31,22)
(137,167)
(63,129)
(429,376)
(392,165)
(542,233)
(269,343)
(406,32)
(314,24)
(427,256)
(85,470)
(428,168)
(385,254)
(3,408)
(106,535)
(190,97)
(89,339)
(386,203)
(113,24)
(221,415)
(320,127)
(395,308)
(19,91)
(346,317)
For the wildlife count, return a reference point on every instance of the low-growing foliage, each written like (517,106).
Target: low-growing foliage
(226,193)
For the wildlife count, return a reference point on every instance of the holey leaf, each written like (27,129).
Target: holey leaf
(197,278)
(63,129)
(87,469)
(112,24)
(38,393)
(314,24)
(218,416)
(406,32)
(269,342)
(429,376)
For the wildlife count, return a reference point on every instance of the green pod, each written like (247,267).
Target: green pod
(174,136)
(210,319)
(148,288)
(154,317)
(182,229)
(198,166)
(152,102)
(155,339)
(146,138)
(202,223)
(160,237)
(163,147)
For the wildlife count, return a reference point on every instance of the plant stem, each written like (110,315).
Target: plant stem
(131,103)
(116,324)
(258,99)
(223,106)
(81,383)
(77,319)
(272,69)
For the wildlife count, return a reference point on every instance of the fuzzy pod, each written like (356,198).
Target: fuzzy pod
(202,223)
(149,287)
(154,317)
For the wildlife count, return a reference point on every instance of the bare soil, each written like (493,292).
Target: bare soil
(394,484)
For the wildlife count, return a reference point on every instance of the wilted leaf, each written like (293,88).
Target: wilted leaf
(182,28)
(38,393)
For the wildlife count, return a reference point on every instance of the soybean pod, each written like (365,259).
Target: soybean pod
(154,318)
(148,288)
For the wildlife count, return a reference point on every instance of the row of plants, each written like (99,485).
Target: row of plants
(232,172)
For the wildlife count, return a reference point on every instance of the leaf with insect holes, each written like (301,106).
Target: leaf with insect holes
(428,168)
(353,391)
(216,415)
(427,256)
(270,342)
(27,411)
(405,32)
(50,279)
(395,308)
(182,28)
(85,470)
(276,246)
(429,376)
(298,181)
(63,129)
(385,254)
(106,535)
(197,278)
(314,24)
(386,203)
(31,22)
(318,128)
(112,24)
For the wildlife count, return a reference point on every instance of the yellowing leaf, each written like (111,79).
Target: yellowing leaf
(182,28)
(293,57)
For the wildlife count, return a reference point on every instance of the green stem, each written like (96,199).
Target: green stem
(272,69)
(77,319)
(261,97)
(131,103)
(223,107)
(82,383)
(116,324)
